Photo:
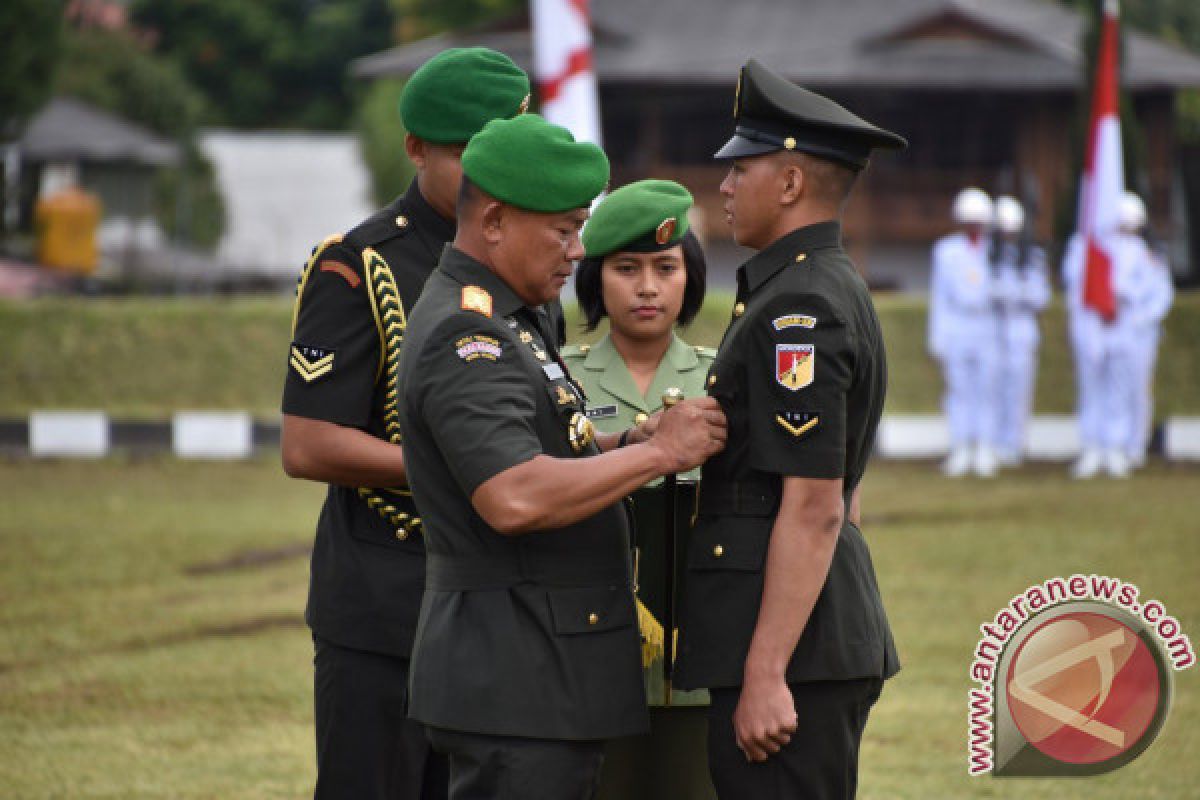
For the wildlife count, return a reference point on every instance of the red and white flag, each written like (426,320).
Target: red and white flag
(1103,174)
(562,64)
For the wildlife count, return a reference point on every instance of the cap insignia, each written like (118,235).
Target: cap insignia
(665,230)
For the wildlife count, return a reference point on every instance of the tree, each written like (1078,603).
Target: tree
(381,136)
(31,31)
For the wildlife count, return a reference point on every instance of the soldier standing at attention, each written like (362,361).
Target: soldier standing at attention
(782,618)
(527,654)
(340,427)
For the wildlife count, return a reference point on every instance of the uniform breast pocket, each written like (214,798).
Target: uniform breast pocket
(590,609)
(736,544)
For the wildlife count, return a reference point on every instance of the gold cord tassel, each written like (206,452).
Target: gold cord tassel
(652,635)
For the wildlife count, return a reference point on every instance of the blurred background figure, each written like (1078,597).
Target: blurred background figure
(1150,295)
(1020,291)
(961,334)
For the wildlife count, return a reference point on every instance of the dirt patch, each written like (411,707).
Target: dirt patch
(251,559)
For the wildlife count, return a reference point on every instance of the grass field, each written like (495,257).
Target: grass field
(145,358)
(151,643)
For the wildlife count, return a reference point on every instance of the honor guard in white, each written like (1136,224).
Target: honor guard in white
(1020,291)
(1151,293)
(1104,366)
(962,334)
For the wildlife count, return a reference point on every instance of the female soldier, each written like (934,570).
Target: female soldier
(645,271)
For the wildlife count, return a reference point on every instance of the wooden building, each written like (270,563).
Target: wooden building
(986,91)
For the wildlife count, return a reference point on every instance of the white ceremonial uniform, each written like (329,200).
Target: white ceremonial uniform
(1151,293)
(1020,291)
(962,336)
(1103,359)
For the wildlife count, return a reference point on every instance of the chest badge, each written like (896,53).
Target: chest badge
(580,432)
(563,397)
(794,365)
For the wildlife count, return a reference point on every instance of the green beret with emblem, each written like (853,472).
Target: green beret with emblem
(641,217)
(533,164)
(458,91)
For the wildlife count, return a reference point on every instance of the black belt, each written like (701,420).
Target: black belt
(750,498)
(494,571)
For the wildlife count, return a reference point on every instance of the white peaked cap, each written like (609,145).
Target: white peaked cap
(1010,216)
(973,206)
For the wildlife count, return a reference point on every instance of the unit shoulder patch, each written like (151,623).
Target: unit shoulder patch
(797,423)
(338,268)
(477,346)
(477,299)
(311,362)
(794,365)
(794,321)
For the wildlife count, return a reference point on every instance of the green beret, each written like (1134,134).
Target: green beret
(536,165)
(643,217)
(458,91)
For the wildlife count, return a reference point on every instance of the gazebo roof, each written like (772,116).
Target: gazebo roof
(71,130)
(910,44)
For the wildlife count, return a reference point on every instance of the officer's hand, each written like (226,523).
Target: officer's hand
(690,433)
(765,718)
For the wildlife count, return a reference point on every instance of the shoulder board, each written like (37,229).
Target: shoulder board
(379,227)
(477,299)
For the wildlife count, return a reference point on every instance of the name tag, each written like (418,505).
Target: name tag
(601,412)
(553,371)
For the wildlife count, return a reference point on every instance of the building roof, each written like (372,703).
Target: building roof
(67,129)
(910,44)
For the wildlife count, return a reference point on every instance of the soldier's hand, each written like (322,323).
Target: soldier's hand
(690,433)
(765,718)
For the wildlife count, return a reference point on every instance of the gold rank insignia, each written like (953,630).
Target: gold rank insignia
(797,423)
(477,299)
(580,432)
(563,396)
(663,233)
(311,363)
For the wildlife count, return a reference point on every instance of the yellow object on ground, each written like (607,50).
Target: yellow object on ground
(66,223)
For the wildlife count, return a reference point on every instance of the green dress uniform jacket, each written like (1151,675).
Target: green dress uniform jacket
(801,375)
(530,635)
(368,560)
(614,402)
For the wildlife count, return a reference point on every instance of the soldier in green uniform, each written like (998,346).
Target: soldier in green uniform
(340,427)
(527,652)
(782,618)
(645,271)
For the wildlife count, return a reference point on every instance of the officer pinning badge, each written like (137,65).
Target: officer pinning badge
(601,412)
(797,423)
(794,365)
(311,362)
(338,268)
(477,299)
(580,432)
(665,230)
(477,346)
(794,321)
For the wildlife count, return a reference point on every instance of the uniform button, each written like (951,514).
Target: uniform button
(739,309)
(401,221)
(593,618)
(801,256)
(718,551)
(401,534)
(639,418)
(712,380)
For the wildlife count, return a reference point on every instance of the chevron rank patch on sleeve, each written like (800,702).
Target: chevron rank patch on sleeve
(310,362)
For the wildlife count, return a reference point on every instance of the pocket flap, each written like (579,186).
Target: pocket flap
(735,544)
(591,609)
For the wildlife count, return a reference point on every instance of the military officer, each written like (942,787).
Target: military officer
(645,271)
(527,652)
(782,617)
(340,427)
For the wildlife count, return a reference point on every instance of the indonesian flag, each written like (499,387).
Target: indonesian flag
(562,63)
(1103,175)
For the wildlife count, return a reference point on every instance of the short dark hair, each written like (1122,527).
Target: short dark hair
(590,292)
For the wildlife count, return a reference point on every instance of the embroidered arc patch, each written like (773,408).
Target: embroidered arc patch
(794,366)
(338,268)
(794,321)
(311,362)
(477,346)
